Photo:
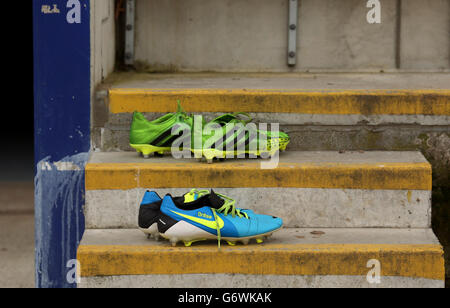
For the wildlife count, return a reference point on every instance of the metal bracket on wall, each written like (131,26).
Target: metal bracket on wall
(292,38)
(130,32)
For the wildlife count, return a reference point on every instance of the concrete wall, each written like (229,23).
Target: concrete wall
(102,40)
(103,47)
(425,28)
(251,35)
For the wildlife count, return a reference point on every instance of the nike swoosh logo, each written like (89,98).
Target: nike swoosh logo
(207,223)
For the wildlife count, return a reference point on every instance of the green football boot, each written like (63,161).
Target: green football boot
(231,136)
(156,136)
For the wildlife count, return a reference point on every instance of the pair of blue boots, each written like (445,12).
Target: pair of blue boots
(202,215)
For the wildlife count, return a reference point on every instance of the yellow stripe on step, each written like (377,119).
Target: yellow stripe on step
(416,261)
(391,176)
(365,102)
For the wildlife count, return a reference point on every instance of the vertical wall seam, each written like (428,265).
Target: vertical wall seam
(398,36)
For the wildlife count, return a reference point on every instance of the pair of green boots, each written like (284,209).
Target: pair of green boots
(224,137)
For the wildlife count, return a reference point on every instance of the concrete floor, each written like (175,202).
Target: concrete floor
(16,235)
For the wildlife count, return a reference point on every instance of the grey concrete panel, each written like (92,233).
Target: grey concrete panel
(327,208)
(252,281)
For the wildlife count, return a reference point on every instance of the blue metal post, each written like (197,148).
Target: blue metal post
(62,133)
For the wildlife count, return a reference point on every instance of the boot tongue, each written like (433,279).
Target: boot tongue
(188,198)
(196,201)
(215,201)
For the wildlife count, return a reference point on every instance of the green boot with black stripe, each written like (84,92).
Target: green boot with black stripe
(232,136)
(156,137)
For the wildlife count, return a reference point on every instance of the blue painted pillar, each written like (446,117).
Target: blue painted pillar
(62,133)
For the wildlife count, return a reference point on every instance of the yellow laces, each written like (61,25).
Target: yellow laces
(227,208)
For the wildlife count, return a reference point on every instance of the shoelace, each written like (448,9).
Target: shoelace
(227,208)
(181,112)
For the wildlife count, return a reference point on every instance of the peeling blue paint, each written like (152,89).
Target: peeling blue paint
(62,91)
(60,227)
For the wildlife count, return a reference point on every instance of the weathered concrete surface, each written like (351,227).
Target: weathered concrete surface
(361,240)
(288,81)
(211,35)
(123,121)
(336,35)
(425,28)
(306,206)
(299,208)
(364,137)
(309,169)
(17,251)
(317,137)
(429,134)
(309,131)
(295,157)
(102,40)
(235,35)
(103,48)
(293,106)
(16,198)
(252,281)
(286,236)
(436,147)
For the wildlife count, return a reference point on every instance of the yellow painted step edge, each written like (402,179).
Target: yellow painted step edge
(389,176)
(415,261)
(373,102)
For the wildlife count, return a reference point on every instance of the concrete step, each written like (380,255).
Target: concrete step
(307,189)
(291,258)
(343,111)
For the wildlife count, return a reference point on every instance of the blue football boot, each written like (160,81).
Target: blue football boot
(149,213)
(200,216)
